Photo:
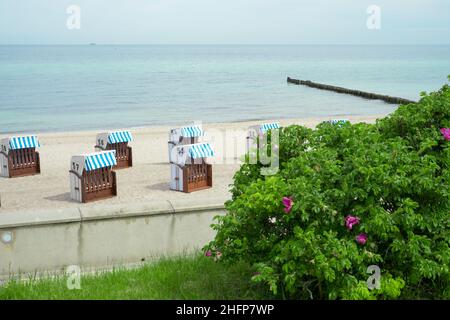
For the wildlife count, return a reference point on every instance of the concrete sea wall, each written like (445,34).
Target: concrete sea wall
(101,236)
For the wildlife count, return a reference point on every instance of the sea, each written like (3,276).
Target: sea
(46,88)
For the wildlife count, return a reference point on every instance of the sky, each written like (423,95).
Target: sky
(225,22)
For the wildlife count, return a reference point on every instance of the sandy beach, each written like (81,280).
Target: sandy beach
(146,181)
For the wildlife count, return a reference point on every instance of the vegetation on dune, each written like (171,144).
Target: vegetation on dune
(184,277)
(347,197)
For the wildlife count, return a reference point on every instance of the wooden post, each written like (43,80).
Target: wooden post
(10,164)
(185,178)
(114,183)
(209,174)
(130,156)
(83,187)
(38,162)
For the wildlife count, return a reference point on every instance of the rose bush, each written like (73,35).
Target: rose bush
(347,197)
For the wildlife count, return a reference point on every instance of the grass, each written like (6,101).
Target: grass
(184,277)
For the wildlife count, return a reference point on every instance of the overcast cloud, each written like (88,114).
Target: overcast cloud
(225,22)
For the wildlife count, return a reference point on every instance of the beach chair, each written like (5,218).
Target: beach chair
(256,132)
(338,122)
(118,141)
(92,177)
(189,167)
(18,156)
(184,135)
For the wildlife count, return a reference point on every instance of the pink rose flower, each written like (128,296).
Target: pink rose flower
(350,221)
(362,238)
(208,253)
(288,203)
(446,133)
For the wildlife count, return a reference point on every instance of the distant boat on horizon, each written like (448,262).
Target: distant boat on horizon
(92,44)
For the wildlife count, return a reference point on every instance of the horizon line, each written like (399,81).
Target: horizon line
(224,44)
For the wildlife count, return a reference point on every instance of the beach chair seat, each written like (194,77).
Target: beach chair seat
(117,141)
(197,177)
(190,170)
(92,176)
(18,156)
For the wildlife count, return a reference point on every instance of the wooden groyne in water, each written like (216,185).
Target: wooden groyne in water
(358,93)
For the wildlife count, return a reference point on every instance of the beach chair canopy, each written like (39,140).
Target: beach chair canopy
(338,121)
(22,142)
(93,161)
(113,137)
(262,128)
(180,154)
(200,150)
(177,135)
(119,136)
(193,131)
(268,126)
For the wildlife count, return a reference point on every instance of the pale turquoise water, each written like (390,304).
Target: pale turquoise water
(58,88)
